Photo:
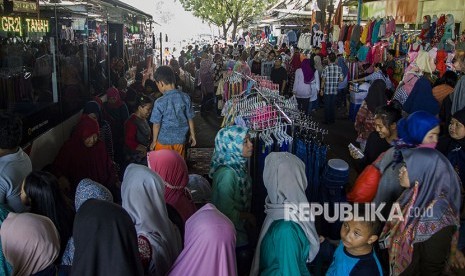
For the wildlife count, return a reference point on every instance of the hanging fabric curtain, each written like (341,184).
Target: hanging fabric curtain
(404,11)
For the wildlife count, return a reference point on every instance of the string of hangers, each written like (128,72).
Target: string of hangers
(266,112)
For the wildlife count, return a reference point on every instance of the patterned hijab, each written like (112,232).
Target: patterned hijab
(438,190)
(285,181)
(87,189)
(229,143)
(30,242)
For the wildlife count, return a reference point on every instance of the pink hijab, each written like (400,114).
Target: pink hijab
(209,246)
(30,242)
(172,168)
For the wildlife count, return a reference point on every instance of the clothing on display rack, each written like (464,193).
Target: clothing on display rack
(311,149)
(305,41)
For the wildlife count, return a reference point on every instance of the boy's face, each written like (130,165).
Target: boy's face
(357,237)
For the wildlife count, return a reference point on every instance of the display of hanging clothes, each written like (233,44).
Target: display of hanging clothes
(317,38)
(370,31)
(382,29)
(432,29)
(441,62)
(391,27)
(305,41)
(440,28)
(336,32)
(375,33)
(364,35)
(341,34)
(292,37)
(309,147)
(362,52)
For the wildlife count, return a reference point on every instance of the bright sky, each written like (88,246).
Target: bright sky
(181,25)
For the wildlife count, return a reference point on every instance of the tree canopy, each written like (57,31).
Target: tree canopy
(227,13)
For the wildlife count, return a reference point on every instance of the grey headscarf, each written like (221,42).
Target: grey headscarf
(142,192)
(318,64)
(458,96)
(285,180)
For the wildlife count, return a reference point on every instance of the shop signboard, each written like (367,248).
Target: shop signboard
(21,25)
(25,6)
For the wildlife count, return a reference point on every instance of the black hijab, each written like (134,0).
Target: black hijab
(93,107)
(376,95)
(105,240)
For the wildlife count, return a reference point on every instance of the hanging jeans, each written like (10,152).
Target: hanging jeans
(258,190)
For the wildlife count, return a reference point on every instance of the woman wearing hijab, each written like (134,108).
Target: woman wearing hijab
(41,192)
(84,156)
(419,130)
(405,87)
(364,121)
(30,244)
(5,267)
(318,64)
(456,100)
(105,241)
(201,189)
(453,147)
(294,64)
(421,98)
(138,134)
(86,189)
(92,109)
(232,187)
(209,245)
(159,240)
(306,86)
(285,246)
(421,242)
(172,168)
(116,113)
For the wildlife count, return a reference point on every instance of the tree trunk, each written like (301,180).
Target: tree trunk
(234,30)
(225,31)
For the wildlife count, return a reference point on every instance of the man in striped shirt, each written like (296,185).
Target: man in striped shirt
(331,77)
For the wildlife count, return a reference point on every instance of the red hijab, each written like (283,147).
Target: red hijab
(172,168)
(76,161)
(114,93)
(295,62)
